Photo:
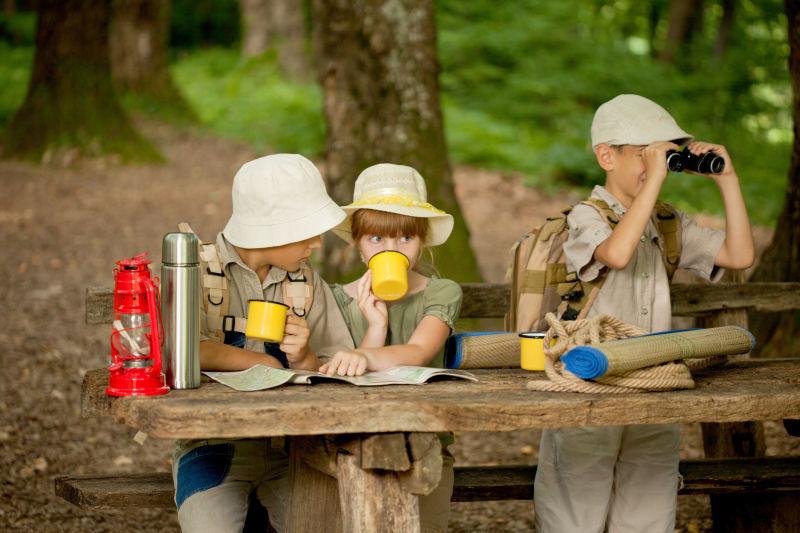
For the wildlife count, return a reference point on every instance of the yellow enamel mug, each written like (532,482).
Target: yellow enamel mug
(265,320)
(389,274)
(532,350)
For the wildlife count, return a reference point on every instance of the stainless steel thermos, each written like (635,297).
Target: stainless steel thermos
(180,309)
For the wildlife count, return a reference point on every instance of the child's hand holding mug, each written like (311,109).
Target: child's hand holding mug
(373,309)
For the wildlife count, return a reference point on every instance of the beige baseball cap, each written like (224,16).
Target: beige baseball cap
(279,199)
(633,119)
(396,189)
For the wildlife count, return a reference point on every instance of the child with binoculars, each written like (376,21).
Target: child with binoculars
(626,478)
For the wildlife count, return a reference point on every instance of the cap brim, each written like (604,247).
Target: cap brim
(265,236)
(441,224)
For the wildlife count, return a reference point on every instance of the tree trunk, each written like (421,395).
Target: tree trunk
(779,334)
(681,13)
(256,26)
(725,27)
(279,24)
(138,42)
(71,106)
(289,33)
(380,78)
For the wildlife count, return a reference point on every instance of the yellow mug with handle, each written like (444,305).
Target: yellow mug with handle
(389,274)
(532,350)
(266,320)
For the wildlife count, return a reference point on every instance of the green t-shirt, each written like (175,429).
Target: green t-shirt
(441,298)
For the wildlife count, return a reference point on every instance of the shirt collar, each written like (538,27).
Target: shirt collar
(229,255)
(601,192)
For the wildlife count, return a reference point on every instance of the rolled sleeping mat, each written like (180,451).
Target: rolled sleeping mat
(482,349)
(623,355)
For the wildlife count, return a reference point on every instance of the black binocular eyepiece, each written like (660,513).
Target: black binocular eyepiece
(707,163)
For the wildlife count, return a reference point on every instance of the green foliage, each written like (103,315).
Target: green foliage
(18,29)
(15,69)
(250,100)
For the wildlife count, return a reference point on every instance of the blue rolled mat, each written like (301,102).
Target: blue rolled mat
(624,355)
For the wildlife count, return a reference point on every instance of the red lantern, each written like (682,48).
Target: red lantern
(137,332)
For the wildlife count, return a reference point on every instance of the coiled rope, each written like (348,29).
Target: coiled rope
(603,328)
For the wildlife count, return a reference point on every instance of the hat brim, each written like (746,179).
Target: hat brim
(316,223)
(441,224)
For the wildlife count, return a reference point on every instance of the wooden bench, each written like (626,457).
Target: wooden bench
(472,483)
(482,300)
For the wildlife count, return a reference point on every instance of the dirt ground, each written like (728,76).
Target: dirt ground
(63,226)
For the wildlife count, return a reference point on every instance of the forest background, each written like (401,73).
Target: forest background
(518,82)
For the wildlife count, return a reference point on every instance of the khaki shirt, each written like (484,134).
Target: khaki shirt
(329,332)
(639,293)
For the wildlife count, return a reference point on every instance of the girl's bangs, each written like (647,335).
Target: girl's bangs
(373,222)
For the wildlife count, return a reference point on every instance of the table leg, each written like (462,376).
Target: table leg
(373,501)
(313,494)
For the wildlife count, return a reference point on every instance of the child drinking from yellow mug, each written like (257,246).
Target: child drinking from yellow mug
(390,213)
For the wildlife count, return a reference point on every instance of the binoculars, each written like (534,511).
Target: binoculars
(707,163)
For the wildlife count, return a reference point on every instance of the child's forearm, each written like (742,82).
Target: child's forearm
(396,355)
(737,250)
(218,356)
(375,337)
(617,251)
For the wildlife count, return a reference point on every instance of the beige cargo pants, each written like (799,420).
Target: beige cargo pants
(621,479)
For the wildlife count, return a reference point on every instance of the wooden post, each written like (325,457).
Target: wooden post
(313,493)
(364,495)
(744,513)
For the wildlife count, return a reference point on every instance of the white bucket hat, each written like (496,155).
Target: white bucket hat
(279,199)
(396,189)
(633,119)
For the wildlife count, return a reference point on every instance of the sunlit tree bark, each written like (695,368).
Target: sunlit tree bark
(380,79)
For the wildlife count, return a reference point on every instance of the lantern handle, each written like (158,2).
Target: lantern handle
(155,323)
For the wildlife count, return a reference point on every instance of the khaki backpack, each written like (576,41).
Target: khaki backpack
(538,273)
(297,288)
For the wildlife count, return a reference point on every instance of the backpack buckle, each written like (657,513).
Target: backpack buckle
(225,327)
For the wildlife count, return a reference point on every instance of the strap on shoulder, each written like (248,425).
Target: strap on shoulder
(602,207)
(298,291)
(669,226)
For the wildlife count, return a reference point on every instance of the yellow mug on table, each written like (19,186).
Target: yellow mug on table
(266,320)
(532,350)
(389,274)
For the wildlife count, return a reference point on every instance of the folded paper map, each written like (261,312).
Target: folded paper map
(261,377)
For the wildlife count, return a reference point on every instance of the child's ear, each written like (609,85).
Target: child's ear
(605,156)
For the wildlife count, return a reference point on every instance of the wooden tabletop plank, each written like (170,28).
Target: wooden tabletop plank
(739,391)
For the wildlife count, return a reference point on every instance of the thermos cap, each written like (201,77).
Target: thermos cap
(179,249)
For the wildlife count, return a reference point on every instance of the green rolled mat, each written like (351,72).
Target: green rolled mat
(621,356)
(482,349)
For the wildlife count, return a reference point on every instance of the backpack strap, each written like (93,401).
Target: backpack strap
(669,226)
(215,290)
(298,291)
(577,296)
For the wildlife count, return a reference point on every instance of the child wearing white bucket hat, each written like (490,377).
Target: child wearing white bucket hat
(280,209)
(390,213)
(625,478)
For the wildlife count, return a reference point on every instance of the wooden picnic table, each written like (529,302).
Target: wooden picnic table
(377,445)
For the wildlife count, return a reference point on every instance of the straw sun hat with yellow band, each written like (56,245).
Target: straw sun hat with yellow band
(396,189)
